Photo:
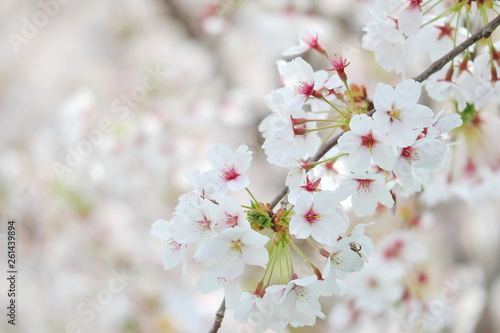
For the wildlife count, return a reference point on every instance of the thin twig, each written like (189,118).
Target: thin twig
(485,32)
(218,317)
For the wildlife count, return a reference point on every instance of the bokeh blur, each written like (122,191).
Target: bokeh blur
(105,104)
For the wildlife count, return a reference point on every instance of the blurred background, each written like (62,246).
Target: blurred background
(104,105)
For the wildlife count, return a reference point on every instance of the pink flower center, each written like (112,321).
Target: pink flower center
(204,224)
(312,216)
(312,186)
(409,153)
(304,88)
(412,4)
(368,141)
(174,246)
(364,184)
(228,173)
(232,221)
(310,40)
(445,30)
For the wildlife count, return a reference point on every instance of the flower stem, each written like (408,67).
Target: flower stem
(253,198)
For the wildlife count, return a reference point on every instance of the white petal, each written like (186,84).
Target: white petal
(349,141)
(384,156)
(300,227)
(296,50)
(361,124)
(382,194)
(420,116)
(383,98)
(401,135)
(382,122)
(161,229)
(407,93)
(359,160)
(257,256)
(363,204)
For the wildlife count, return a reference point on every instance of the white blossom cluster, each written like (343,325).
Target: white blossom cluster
(388,147)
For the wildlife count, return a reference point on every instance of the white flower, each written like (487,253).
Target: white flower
(235,247)
(425,153)
(286,144)
(390,34)
(364,144)
(298,77)
(438,38)
(398,114)
(211,281)
(195,224)
(347,256)
(205,184)
(366,190)
(318,216)
(460,85)
(309,187)
(298,300)
(230,166)
(260,313)
(308,39)
(445,123)
(231,215)
(174,252)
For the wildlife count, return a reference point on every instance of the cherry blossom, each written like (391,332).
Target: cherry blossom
(398,114)
(298,300)
(318,216)
(230,166)
(260,313)
(438,37)
(347,256)
(364,144)
(286,144)
(196,224)
(308,40)
(174,252)
(235,247)
(366,191)
(299,79)
(390,34)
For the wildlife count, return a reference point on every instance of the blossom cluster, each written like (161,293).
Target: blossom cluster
(344,153)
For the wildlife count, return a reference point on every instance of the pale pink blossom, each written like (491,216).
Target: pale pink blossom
(366,190)
(234,248)
(364,144)
(318,216)
(398,114)
(230,166)
(308,40)
(174,252)
(298,300)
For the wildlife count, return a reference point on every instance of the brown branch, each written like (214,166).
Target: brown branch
(485,32)
(325,148)
(218,317)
